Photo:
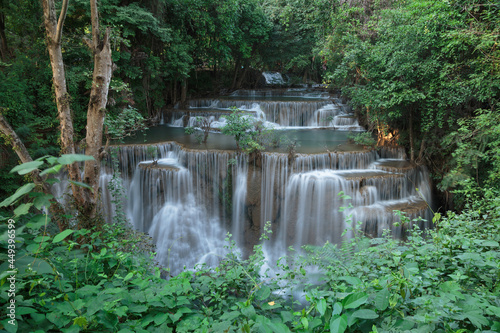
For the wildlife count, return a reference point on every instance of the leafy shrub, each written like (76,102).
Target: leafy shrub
(364,138)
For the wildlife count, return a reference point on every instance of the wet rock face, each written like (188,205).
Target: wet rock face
(253,223)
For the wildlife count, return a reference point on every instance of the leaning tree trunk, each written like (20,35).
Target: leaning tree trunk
(18,146)
(103,68)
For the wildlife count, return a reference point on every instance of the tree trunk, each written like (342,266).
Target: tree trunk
(243,75)
(421,151)
(103,69)
(237,66)
(412,151)
(174,91)
(53,28)
(4,50)
(184,87)
(305,78)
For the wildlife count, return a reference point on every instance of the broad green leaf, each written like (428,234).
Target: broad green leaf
(4,274)
(41,200)
(26,167)
(80,321)
(321,306)
(351,280)
(263,293)
(51,160)
(81,184)
(22,209)
(59,237)
(338,324)
(365,314)
(490,243)
(337,308)
(286,316)
(138,308)
(37,222)
(121,311)
(382,300)
(221,326)
(354,300)
(305,322)
(54,169)
(59,319)
(42,267)
(25,310)
(231,315)
(71,158)
(23,190)
(476,318)
(449,286)
(160,318)
(248,311)
(7,327)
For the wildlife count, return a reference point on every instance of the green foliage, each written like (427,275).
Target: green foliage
(239,125)
(250,134)
(364,138)
(424,68)
(205,124)
(124,124)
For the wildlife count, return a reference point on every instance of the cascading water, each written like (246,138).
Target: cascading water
(274,78)
(188,199)
(281,109)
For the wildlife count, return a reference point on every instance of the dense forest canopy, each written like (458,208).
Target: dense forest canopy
(422,74)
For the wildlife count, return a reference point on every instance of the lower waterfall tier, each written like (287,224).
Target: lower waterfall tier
(188,200)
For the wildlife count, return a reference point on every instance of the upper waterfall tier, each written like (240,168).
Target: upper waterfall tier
(276,109)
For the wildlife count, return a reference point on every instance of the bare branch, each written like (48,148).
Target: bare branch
(60,23)
(94,14)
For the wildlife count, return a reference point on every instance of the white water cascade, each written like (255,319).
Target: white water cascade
(279,108)
(274,78)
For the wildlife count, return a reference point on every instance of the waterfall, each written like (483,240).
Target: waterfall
(240,179)
(189,199)
(301,198)
(274,78)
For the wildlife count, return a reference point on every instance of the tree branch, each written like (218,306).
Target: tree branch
(95,24)
(60,23)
